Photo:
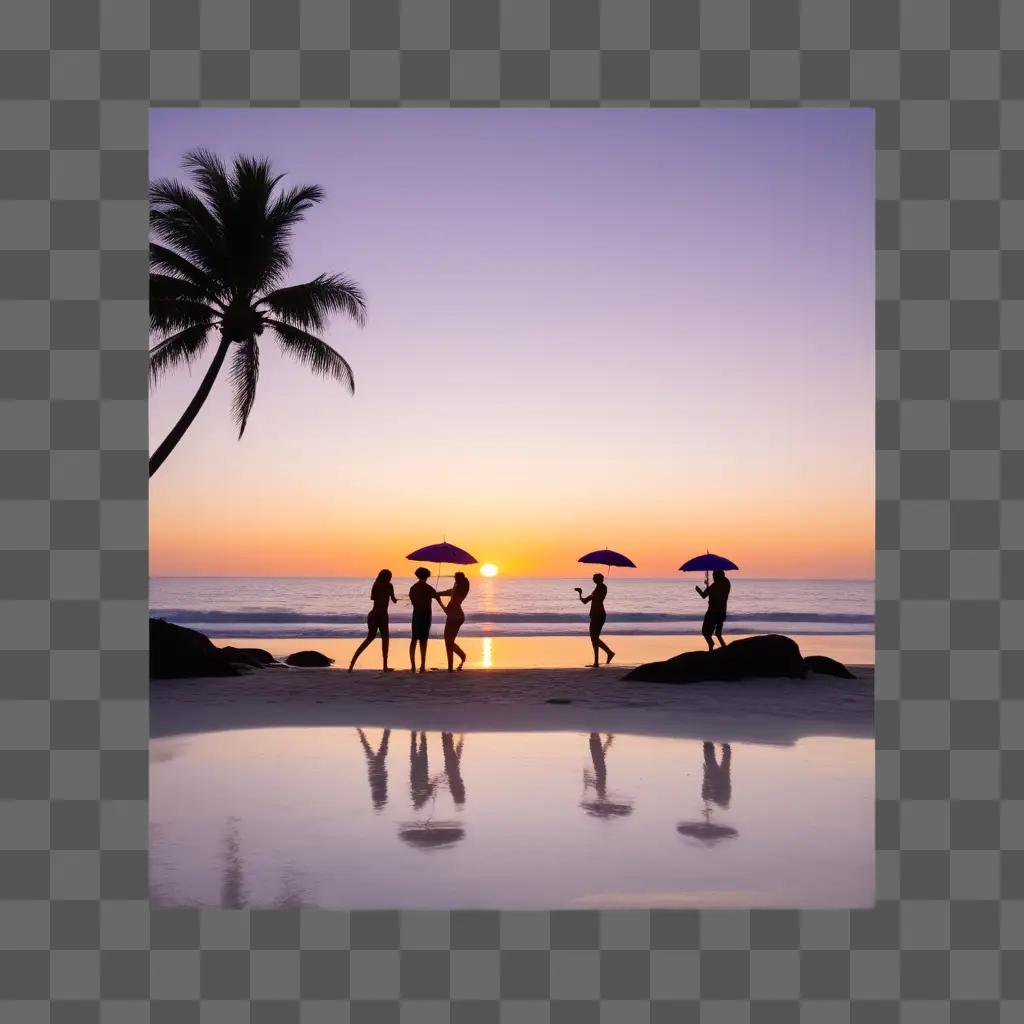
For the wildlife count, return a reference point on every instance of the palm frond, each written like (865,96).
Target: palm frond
(170,315)
(179,217)
(290,207)
(245,372)
(313,352)
(167,261)
(178,349)
(211,177)
(309,305)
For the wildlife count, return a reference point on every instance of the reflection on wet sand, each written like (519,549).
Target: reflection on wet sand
(602,805)
(431,834)
(303,817)
(232,891)
(376,768)
(717,789)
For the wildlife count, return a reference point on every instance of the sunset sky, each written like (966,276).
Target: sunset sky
(646,329)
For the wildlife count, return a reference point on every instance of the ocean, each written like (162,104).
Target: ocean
(333,607)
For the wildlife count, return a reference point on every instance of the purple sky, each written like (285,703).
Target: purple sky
(567,309)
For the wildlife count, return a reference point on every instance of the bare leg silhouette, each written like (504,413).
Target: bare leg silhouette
(370,636)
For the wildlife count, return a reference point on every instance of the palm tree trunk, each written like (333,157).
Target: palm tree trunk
(156,460)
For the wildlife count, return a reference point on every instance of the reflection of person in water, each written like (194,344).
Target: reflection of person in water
(715,789)
(431,834)
(381,593)
(453,767)
(602,806)
(717,782)
(421,788)
(455,617)
(376,768)
(597,616)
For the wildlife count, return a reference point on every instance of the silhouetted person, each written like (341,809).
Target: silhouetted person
(381,593)
(422,595)
(376,768)
(717,781)
(717,595)
(453,767)
(597,616)
(602,807)
(421,788)
(455,617)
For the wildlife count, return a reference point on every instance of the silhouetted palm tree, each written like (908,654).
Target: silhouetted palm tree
(218,265)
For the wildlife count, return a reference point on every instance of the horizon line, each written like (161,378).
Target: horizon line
(762,579)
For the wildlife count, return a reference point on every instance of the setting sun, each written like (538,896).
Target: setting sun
(488,569)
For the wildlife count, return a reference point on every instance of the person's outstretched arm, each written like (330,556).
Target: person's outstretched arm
(587,599)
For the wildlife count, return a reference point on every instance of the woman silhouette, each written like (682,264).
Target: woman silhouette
(382,592)
(455,618)
(597,616)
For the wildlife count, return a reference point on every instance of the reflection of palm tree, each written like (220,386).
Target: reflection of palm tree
(232,891)
(219,267)
(420,786)
(716,788)
(602,806)
(376,768)
(291,894)
(453,767)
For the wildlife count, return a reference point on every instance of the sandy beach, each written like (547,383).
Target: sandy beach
(769,711)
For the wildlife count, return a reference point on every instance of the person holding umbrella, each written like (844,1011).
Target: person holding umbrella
(597,616)
(717,596)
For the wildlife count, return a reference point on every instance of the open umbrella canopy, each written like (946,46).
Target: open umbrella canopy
(707,563)
(607,557)
(443,552)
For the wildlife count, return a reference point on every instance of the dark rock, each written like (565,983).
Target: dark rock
(254,656)
(822,666)
(179,653)
(309,659)
(753,657)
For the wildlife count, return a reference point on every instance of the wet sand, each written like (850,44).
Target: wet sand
(532,652)
(766,710)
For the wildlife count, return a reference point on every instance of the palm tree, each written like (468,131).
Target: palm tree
(218,264)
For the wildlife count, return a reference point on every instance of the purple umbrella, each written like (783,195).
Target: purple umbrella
(706,563)
(607,558)
(441,554)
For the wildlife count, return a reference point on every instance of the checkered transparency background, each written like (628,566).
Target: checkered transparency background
(78,944)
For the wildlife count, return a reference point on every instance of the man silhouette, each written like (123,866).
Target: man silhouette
(717,596)
(422,595)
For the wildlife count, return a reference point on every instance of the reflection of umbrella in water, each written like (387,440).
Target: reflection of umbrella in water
(706,831)
(431,835)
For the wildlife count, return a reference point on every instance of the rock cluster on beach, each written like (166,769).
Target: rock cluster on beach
(756,657)
(179,653)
